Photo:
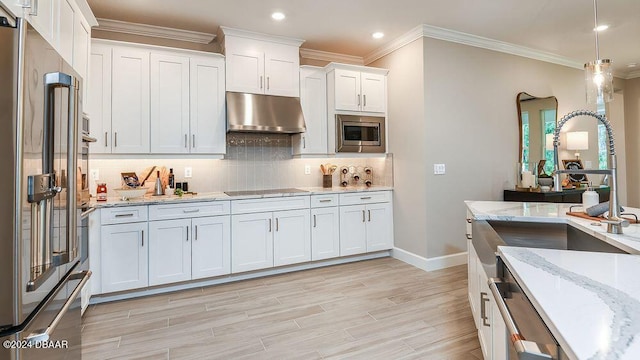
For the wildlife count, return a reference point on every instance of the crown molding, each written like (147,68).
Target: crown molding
(227,31)
(154,31)
(471,40)
(87,13)
(330,56)
(633,75)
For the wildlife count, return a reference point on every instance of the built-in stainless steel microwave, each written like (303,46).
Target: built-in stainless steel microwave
(361,134)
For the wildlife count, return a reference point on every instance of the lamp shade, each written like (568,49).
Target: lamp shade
(578,140)
(599,81)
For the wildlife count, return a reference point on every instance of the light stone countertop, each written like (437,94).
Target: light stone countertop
(220,196)
(590,301)
(629,241)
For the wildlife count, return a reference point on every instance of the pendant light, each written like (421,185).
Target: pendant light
(598,73)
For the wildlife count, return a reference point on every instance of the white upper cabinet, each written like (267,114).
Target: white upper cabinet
(64,28)
(357,88)
(169,104)
(313,99)
(208,117)
(261,64)
(130,100)
(41,15)
(99,100)
(82,53)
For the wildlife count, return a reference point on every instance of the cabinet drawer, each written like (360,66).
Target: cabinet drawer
(365,197)
(318,201)
(122,215)
(191,210)
(270,204)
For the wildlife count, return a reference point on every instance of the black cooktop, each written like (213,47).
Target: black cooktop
(264,192)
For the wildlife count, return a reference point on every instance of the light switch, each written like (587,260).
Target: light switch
(188,172)
(95,174)
(439,169)
(307,169)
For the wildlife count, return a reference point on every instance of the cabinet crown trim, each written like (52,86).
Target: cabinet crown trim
(154,31)
(330,56)
(227,31)
(372,70)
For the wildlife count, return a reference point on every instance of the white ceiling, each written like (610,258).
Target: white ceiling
(562,27)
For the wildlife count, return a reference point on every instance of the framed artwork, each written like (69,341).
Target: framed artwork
(575,164)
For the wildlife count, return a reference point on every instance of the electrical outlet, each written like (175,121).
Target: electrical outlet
(307,169)
(188,172)
(95,174)
(439,169)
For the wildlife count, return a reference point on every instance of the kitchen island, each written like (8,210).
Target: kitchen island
(590,301)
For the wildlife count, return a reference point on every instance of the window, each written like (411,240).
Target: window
(602,141)
(548,117)
(525,137)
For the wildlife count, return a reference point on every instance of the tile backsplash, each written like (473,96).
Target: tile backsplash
(253,161)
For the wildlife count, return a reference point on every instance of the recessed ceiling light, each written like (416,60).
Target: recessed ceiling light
(277,16)
(632,65)
(601,28)
(377,35)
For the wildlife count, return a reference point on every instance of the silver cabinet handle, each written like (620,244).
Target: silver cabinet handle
(45,335)
(325,200)
(268,82)
(193,140)
(33,5)
(260,81)
(84,214)
(277,225)
(530,349)
(469,221)
(269,225)
(191,211)
(364,100)
(363,216)
(365,198)
(124,215)
(369,212)
(142,238)
(196,235)
(314,221)
(304,142)
(186,142)
(105,139)
(469,236)
(483,310)
(358,99)
(187,233)
(115,139)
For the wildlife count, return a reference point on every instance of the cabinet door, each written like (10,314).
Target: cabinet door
(374,89)
(81,45)
(15,7)
(352,230)
(245,70)
(169,77)
(40,16)
(313,99)
(282,70)
(251,242)
(485,318)
(325,233)
(130,101)
(63,31)
(498,333)
(169,251)
(347,90)
(208,119)
(211,246)
(379,227)
(124,257)
(473,289)
(291,237)
(99,100)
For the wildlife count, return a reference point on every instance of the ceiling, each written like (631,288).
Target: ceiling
(345,26)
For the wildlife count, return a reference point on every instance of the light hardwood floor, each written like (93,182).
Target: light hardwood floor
(376,309)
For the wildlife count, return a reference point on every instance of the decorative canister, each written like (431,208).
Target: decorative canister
(101,192)
(327,181)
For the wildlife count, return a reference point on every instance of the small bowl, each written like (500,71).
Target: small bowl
(130,193)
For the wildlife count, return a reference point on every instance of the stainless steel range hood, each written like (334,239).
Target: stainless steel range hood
(264,113)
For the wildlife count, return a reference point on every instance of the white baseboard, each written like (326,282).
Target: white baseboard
(430,264)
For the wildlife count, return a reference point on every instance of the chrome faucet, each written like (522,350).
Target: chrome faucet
(614,222)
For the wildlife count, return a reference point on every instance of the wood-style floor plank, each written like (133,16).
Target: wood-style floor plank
(375,309)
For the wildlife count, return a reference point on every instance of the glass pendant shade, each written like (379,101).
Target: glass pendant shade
(599,81)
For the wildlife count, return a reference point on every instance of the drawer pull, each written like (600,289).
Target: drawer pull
(314,221)
(124,215)
(142,238)
(469,221)
(363,219)
(365,198)
(469,236)
(369,212)
(191,211)
(325,201)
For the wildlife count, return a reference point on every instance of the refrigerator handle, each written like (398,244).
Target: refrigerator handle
(51,82)
(44,334)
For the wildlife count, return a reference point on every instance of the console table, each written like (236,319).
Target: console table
(565,196)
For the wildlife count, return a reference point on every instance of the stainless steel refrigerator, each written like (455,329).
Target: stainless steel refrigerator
(40,205)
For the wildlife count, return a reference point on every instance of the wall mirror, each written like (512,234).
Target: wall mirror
(537,118)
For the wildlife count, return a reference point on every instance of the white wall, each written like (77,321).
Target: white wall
(632,126)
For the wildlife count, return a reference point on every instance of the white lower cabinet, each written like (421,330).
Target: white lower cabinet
(325,233)
(169,251)
(366,228)
(211,246)
(267,239)
(125,258)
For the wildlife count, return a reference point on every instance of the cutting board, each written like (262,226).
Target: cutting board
(593,218)
(151,181)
